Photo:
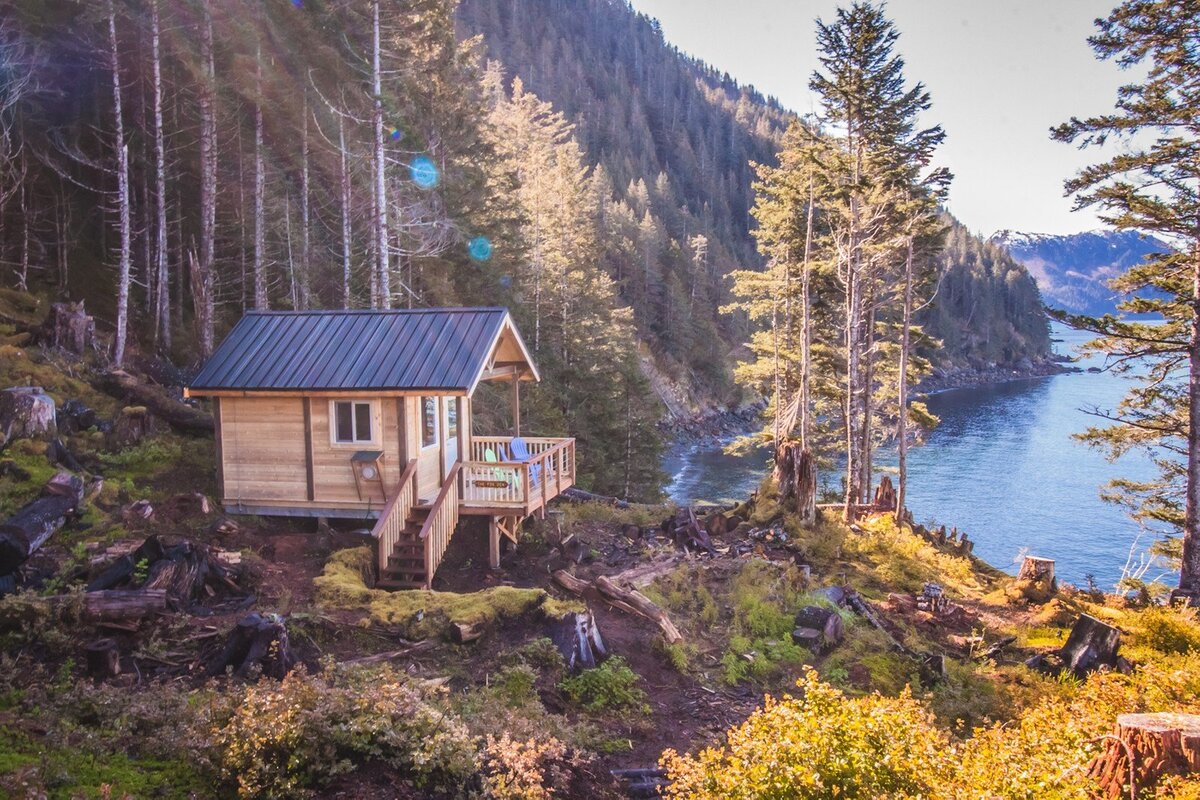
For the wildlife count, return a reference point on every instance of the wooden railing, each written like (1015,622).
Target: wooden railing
(440,524)
(517,484)
(395,514)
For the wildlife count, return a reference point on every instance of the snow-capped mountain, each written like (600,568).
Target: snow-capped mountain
(1073,271)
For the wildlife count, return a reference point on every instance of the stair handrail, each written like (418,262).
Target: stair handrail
(395,513)
(440,524)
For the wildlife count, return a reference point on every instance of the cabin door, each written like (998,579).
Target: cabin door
(450,423)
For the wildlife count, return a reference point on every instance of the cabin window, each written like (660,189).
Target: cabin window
(353,422)
(451,418)
(429,421)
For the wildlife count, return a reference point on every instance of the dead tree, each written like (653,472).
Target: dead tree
(125,225)
(1145,748)
(27,530)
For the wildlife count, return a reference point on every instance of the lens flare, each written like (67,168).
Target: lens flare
(395,134)
(505,281)
(424,172)
(298,3)
(480,249)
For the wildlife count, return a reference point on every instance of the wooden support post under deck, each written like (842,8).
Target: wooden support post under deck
(493,542)
(516,405)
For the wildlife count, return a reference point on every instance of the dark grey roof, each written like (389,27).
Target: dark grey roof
(432,348)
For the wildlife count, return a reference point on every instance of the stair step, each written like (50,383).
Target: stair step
(406,562)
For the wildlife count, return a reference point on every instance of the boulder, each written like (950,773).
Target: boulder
(27,412)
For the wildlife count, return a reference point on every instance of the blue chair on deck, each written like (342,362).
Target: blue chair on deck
(520,452)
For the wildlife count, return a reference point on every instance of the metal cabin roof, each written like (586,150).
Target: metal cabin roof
(444,349)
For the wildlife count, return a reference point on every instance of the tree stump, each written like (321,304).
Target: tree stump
(70,327)
(578,638)
(885,495)
(1145,748)
(103,659)
(825,621)
(133,424)
(27,412)
(796,477)
(74,417)
(257,640)
(1091,645)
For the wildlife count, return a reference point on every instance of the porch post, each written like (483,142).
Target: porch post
(516,405)
(493,542)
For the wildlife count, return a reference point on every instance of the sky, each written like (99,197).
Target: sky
(1000,72)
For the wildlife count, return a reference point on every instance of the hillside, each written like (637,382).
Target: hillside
(469,691)
(1073,270)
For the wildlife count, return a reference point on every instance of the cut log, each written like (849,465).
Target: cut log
(808,637)
(186,572)
(578,639)
(27,530)
(27,412)
(827,622)
(1091,645)
(256,641)
(1143,749)
(70,327)
(176,413)
(642,605)
(103,659)
(463,632)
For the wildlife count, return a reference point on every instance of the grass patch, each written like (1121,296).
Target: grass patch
(420,613)
(610,687)
(636,514)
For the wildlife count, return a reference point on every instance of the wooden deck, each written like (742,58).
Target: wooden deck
(412,538)
(515,488)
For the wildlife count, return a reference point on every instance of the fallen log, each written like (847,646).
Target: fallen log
(577,495)
(582,588)
(186,571)
(27,530)
(379,658)
(642,605)
(176,413)
(256,641)
(112,605)
(1143,749)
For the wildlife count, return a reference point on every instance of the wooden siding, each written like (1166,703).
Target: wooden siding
(263,450)
(333,478)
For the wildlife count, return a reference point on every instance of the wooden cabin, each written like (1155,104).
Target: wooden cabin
(368,414)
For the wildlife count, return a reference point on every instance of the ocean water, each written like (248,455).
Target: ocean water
(1002,466)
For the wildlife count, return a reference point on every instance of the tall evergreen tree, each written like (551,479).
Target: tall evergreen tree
(1153,186)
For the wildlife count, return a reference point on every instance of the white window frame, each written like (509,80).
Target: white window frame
(437,422)
(451,407)
(356,444)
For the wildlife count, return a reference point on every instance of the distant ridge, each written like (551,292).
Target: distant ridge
(1073,270)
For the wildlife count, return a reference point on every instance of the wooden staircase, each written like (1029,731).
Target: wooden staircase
(405,568)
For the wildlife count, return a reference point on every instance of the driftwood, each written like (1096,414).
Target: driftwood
(256,641)
(1145,748)
(70,327)
(630,601)
(103,659)
(178,414)
(27,530)
(578,639)
(26,412)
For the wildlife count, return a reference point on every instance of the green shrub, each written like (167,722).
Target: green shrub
(612,686)
(1168,630)
(284,740)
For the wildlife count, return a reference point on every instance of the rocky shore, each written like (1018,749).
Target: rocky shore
(961,377)
(714,423)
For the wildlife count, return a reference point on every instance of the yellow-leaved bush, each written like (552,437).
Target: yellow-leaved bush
(824,744)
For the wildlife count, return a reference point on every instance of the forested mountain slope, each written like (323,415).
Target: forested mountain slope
(674,136)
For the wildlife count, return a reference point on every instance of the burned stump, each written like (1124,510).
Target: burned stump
(578,639)
(1092,645)
(1143,749)
(256,641)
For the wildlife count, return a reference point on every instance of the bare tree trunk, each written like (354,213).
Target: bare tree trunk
(806,328)
(305,236)
(1189,573)
(202,283)
(865,383)
(381,204)
(23,272)
(122,194)
(162,300)
(346,229)
(261,301)
(902,386)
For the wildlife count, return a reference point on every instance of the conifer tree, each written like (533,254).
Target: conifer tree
(1153,186)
